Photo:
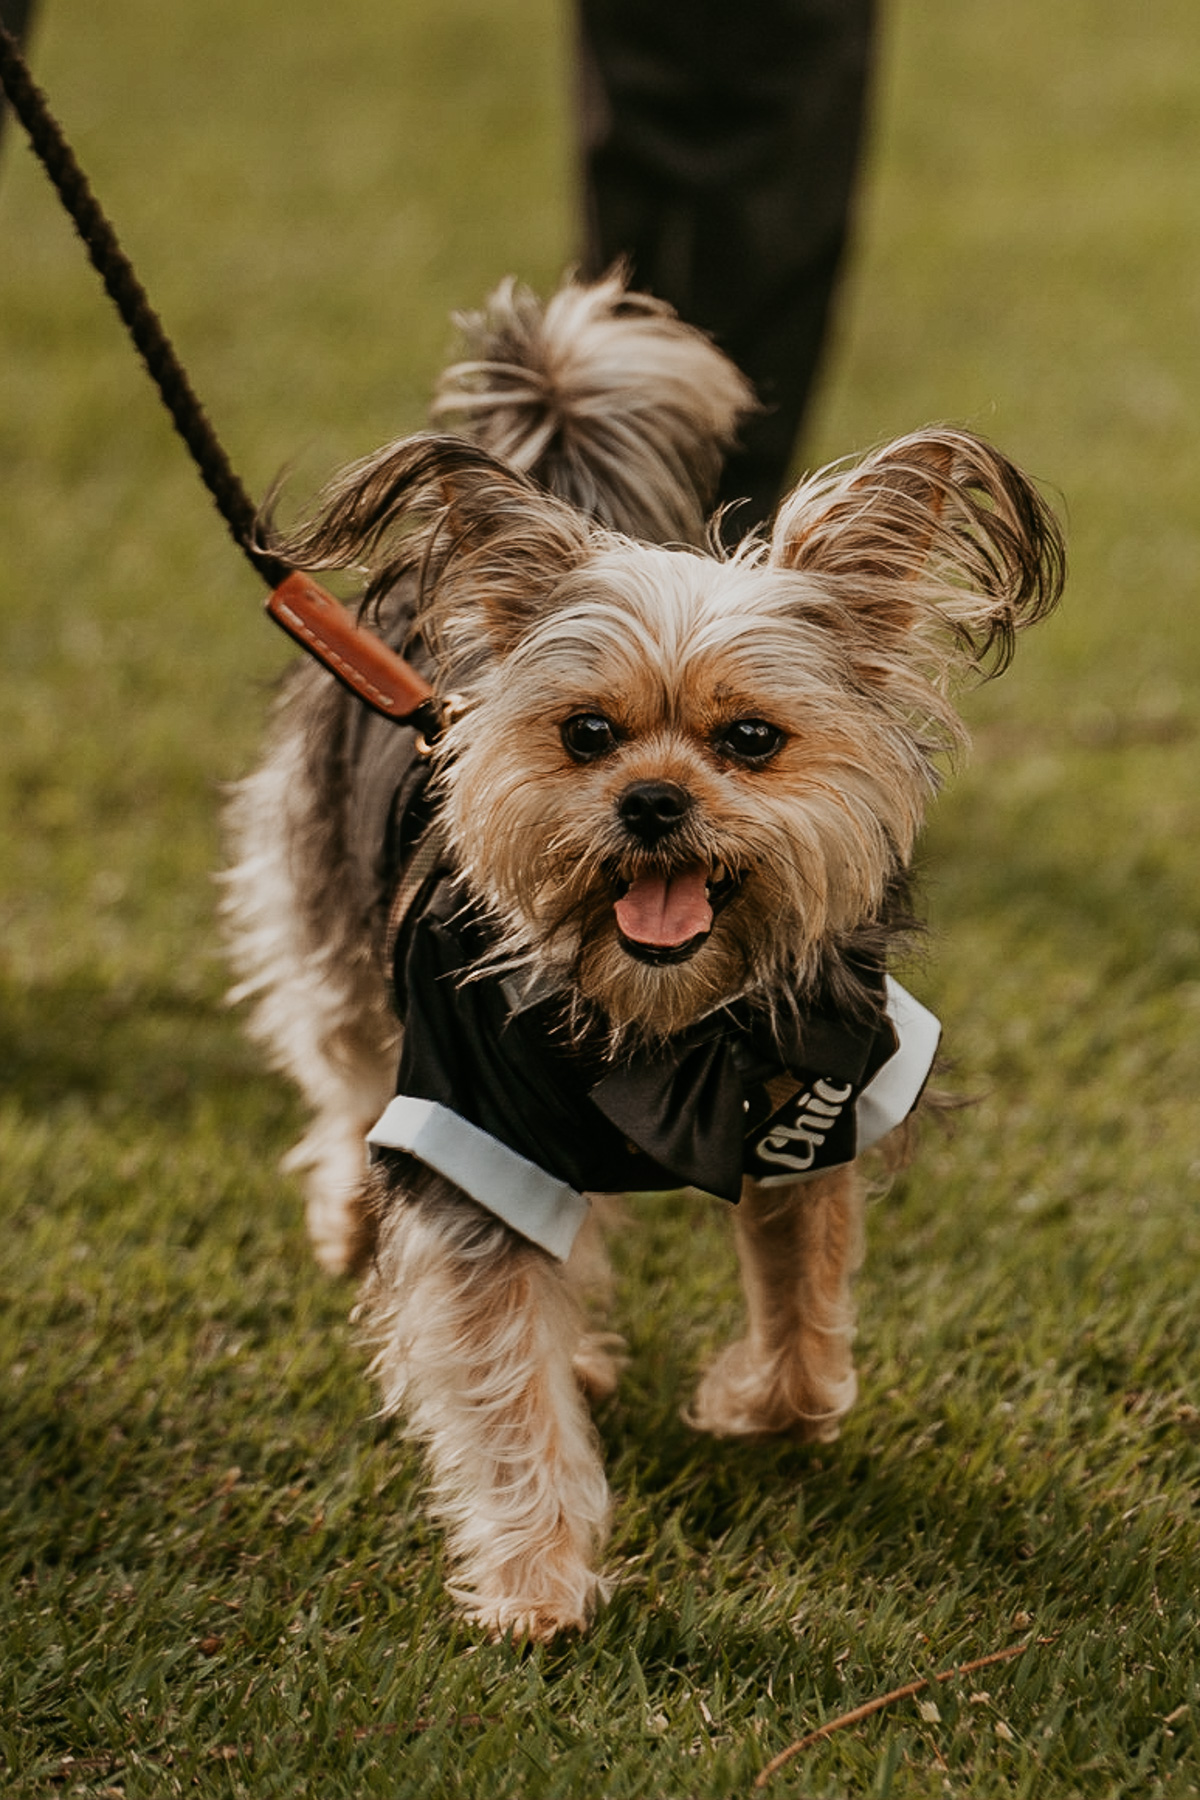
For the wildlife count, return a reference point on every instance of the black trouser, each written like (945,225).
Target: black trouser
(720,142)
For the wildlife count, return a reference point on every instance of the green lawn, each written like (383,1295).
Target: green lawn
(218,1579)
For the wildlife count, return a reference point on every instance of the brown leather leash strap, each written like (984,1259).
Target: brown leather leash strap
(322,625)
(359,659)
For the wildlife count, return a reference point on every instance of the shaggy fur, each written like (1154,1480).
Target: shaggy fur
(674,779)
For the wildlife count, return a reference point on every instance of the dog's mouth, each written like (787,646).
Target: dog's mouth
(665,915)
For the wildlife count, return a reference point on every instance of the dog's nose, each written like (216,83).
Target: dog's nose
(651,809)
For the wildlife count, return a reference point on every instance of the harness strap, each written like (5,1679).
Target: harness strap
(425,861)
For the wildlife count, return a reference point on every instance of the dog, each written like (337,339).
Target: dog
(624,921)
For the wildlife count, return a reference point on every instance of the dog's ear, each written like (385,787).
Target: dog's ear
(935,542)
(485,546)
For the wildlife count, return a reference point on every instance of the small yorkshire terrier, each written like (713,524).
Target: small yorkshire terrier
(625,921)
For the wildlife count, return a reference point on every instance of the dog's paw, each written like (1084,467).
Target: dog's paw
(538,1619)
(331,1164)
(744,1395)
(598,1362)
(341,1231)
(530,1625)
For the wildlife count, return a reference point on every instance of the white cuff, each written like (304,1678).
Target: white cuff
(887,1101)
(542,1208)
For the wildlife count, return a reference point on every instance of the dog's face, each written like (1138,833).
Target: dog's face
(671,788)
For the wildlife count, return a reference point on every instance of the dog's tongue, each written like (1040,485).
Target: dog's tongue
(666,910)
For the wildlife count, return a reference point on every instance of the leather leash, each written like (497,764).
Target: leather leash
(359,659)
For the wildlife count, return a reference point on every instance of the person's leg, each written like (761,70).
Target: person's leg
(719,148)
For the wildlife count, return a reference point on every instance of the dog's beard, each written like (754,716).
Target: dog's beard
(568,940)
(656,990)
(733,918)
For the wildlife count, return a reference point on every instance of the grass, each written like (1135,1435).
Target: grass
(218,1579)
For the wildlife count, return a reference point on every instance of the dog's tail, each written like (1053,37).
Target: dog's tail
(605,397)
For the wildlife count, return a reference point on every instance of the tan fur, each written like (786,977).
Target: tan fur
(517,566)
(477,1333)
(793,1373)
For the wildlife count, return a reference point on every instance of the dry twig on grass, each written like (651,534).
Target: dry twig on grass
(868,1707)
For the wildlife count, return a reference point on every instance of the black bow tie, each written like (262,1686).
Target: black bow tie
(690,1104)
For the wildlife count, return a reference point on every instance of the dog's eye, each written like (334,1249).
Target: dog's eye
(749,740)
(586,736)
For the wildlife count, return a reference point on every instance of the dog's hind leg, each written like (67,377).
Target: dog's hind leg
(793,1372)
(300,940)
(477,1332)
(330,1159)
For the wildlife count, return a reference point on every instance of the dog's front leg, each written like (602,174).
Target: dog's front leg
(793,1372)
(476,1331)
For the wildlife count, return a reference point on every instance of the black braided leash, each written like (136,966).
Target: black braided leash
(361,661)
(132,302)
